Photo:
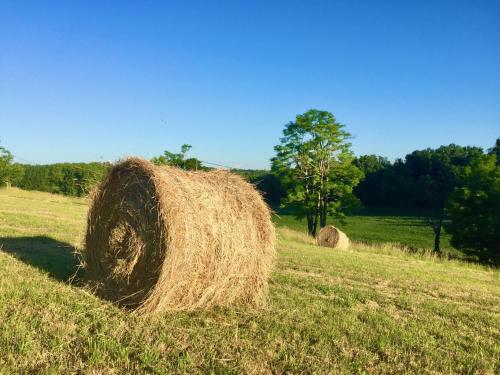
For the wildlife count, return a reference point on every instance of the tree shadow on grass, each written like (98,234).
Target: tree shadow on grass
(56,258)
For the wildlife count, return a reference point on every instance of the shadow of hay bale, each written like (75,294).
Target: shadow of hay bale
(56,258)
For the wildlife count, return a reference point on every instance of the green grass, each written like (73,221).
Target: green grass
(382,226)
(371,309)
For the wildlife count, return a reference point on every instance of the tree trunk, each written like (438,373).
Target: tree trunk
(316,215)
(310,224)
(322,218)
(436,227)
(315,225)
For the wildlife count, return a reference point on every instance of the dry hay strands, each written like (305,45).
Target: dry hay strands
(330,236)
(161,239)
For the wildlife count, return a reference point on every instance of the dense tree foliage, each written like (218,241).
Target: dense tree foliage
(435,174)
(423,180)
(420,180)
(474,207)
(314,163)
(371,163)
(375,189)
(76,179)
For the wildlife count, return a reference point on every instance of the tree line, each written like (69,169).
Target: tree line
(431,180)
(75,179)
(78,179)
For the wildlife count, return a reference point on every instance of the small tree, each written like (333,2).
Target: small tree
(178,160)
(314,162)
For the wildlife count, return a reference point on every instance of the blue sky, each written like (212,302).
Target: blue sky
(92,80)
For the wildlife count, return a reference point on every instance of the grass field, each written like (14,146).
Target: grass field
(382,226)
(371,309)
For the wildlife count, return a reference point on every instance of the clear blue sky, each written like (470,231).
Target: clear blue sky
(85,80)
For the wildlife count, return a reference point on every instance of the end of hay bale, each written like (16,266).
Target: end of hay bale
(330,236)
(161,239)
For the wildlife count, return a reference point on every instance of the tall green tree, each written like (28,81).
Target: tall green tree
(315,164)
(474,208)
(178,159)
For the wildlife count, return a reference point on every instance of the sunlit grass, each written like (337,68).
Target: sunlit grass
(370,309)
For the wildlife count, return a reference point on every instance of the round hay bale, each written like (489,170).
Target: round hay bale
(160,238)
(330,236)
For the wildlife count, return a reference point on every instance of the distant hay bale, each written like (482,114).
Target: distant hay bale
(330,236)
(160,239)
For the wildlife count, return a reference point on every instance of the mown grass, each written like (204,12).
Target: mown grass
(371,309)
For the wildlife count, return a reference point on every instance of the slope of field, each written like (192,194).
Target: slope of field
(366,310)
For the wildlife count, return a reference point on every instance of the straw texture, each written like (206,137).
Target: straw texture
(161,239)
(330,236)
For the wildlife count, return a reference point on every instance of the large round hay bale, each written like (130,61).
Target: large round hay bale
(160,238)
(330,236)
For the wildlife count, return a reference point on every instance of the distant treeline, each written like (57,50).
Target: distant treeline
(75,179)
(423,179)
(420,180)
